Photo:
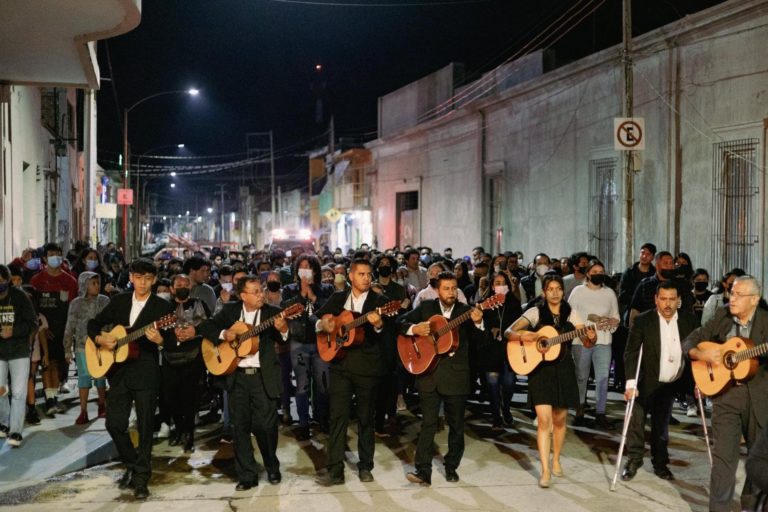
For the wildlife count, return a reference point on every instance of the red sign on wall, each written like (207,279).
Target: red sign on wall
(125,196)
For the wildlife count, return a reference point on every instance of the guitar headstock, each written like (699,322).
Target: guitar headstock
(602,323)
(391,308)
(294,310)
(166,322)
(493,302)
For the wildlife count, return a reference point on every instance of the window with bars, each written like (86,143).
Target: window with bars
(494,193)
(604,210)
(735,207)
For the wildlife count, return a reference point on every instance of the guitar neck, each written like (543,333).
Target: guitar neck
(454,323)
(568,336)
(133,336)
(756,351)
(357,322)
(258,329)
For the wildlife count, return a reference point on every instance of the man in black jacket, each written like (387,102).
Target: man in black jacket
(254,387)
(357,373)
(447,383)
(659,333)
(741,409)
(136,380)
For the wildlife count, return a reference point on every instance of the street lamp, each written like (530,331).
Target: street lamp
(126,156)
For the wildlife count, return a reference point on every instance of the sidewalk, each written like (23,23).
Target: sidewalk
(56,446)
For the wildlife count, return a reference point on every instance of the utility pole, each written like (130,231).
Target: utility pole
(626,57)
(272,174)
(221,235)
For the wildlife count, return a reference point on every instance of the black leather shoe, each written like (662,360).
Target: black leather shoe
(451,475)
(365,475)
(327,480)
(663,472)
(630,470)
(419,477)
(126,481)
(274,477)
(174,439)
(245,485)
(141,492)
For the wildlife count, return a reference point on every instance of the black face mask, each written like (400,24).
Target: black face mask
(273,286)
(668,274)
(582,270)
(597,279)
(182,293)
(700,285)
(385,271)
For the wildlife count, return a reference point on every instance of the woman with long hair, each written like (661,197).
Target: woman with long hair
(552,386)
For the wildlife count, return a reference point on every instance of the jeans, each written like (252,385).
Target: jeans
(600,357)
(308,366)
(12,412)
(501,387)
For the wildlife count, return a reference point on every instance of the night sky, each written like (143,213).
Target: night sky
(254,62)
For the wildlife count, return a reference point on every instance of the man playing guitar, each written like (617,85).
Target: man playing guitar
(357,373)
(136,380)
(741,408)
(255,385)
(448,383)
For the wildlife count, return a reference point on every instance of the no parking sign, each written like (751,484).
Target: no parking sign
(629,133)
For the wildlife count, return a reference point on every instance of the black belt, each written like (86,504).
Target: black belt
(248,370)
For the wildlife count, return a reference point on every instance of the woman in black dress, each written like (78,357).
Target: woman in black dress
(552,386)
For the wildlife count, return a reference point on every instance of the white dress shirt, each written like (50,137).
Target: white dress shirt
(136,307)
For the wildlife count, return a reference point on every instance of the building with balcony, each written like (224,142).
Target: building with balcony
(340,211)
(48,78)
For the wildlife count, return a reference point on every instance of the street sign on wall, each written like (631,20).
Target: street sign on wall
(106,211)
(125,196)
(629,133)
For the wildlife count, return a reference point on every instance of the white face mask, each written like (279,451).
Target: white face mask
(496,269)
(165,295)
(306,273)
(226,286)
(542,269)
(502,289)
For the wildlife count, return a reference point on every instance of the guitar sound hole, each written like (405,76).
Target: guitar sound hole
(542,345)
(728,361)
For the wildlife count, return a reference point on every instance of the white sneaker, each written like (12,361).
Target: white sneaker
(164,431)
(692,412)
(64,389)
(14,439)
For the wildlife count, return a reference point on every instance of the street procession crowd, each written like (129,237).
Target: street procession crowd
(359,335)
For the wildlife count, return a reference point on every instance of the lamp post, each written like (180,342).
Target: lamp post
(126,155)
(141,196)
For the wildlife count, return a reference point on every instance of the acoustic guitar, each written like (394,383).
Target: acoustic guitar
(525,356)
(738,363)
(419,353)
(348,333)
(222,359)
(99,359)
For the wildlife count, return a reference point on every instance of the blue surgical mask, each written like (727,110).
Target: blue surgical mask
(33,264)
(54,261)
(4,287)
(91,264)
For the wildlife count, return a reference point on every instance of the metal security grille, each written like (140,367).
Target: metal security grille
(604,198)
(735,207)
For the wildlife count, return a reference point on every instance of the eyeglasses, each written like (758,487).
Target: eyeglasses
(737,295)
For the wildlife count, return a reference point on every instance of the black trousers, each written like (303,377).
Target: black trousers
(386,400)
(732,417)
(454,417)
(342,387)
(251,410)
(659,405)
(181,391)
(119,400)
